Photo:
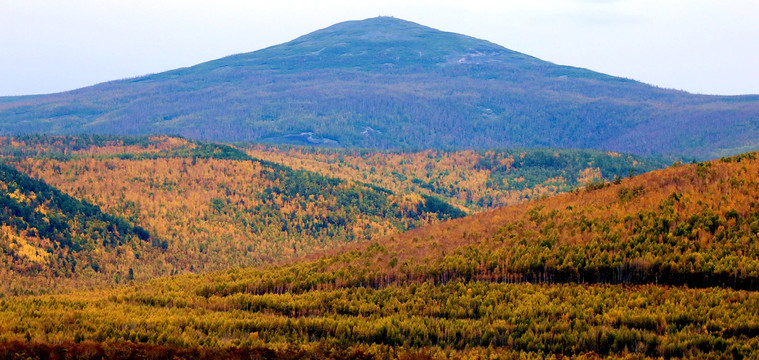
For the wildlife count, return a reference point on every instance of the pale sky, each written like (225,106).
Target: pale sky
(701,46)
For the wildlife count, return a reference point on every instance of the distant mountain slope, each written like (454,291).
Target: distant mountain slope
(388,83)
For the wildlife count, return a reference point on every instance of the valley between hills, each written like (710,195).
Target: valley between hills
(447,198)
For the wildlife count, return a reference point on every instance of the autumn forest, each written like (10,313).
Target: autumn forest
(379,189)
(161,247)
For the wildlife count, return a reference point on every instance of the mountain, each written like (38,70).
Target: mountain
(387,83)
(664,265)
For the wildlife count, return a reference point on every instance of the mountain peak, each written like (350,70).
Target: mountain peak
(387,23)
(383,41)
(379,29)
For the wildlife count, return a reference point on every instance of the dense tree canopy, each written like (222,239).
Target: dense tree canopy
(661,265)
(200,207)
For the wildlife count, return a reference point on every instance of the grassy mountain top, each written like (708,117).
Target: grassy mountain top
(593,274)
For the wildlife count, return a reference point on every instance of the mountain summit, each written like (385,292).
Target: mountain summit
(389,83)
(378,44)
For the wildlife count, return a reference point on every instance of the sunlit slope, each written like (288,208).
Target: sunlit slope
(46,234)
(455,320)
(692,224)
(212,207)
(476,180)
(661,265)
(500,284)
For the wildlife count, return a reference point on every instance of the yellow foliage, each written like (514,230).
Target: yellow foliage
(589,175)
(22,247)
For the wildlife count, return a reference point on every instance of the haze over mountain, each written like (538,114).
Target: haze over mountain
(389,83)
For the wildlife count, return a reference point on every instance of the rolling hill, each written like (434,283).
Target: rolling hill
(386,83)
(662,265)
(692,225)
(474,180)
(211,206)
(46,234)
(205,207)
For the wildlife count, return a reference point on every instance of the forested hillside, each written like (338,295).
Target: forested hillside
(691,224)
(662,265)
(46,234)
(207,207)
(212,206)
(475,180)
(385,83)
